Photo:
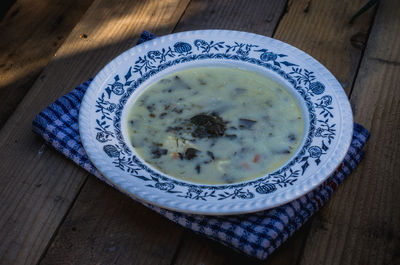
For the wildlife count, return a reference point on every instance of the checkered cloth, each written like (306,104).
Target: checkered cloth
(256,234)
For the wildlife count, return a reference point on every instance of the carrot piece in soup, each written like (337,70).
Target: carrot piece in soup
(256,158)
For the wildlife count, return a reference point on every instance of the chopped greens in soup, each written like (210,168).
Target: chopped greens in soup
(215,125)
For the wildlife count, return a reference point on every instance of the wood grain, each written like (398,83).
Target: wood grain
(320,28)
(258,17)
(38,185)
(361,225)
(4,7)
(31,32)
(106,227)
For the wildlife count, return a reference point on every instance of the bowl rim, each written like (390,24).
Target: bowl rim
(88,141)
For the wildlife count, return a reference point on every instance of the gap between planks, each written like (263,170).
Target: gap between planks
(238,26)
(361,226)
(24,235)
(321,29)
(32,31)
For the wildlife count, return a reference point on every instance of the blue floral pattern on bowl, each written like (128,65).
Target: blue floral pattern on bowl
(318,101)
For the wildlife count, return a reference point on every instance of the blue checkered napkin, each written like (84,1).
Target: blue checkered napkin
(257,234)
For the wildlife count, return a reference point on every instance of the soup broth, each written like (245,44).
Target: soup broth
(215,125)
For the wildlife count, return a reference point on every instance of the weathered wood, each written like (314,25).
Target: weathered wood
(258,17)
(361,225)
(321,29)
(31,32)
(106,227)
(38,185)
(5,5)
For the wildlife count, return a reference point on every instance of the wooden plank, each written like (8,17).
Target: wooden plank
(5,5)
(259,16)
(320,28)
(32,31)
(361,225)
(39,185)
(106,227)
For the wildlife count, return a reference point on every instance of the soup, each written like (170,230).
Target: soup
(215,125)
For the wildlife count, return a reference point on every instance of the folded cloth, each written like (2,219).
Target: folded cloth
(256,234)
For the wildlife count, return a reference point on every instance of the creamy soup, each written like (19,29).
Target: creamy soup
(215,125)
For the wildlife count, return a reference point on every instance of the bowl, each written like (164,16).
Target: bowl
(325,108)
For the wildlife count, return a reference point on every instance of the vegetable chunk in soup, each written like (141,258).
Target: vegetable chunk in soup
(215,125)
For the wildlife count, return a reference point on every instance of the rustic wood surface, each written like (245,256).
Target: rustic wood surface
(361,225)
(32,32)
(52,212)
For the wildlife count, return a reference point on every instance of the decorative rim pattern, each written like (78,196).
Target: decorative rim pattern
(325,106)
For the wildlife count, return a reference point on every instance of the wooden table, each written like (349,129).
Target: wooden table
(53,212)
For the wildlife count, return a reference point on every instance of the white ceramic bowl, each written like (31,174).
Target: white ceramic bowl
(325,107)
